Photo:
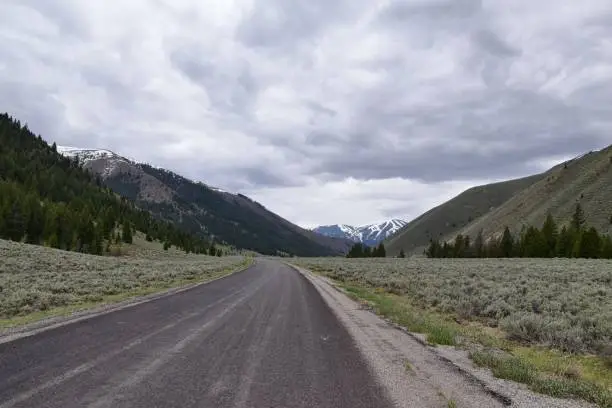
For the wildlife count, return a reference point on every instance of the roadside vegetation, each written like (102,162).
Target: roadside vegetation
(545,323)
(38,282)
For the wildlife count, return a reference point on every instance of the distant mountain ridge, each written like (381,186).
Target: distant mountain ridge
(370,234)
(201,209)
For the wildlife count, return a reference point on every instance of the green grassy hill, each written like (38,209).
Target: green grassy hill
(586,180)
(455,214)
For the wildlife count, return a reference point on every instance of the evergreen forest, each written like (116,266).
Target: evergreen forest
(575,240)
(47,199)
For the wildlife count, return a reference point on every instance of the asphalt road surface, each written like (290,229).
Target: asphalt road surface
(261,338)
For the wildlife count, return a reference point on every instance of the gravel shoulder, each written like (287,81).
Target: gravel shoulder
(418,375)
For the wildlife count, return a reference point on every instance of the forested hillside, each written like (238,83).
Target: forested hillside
(48,199)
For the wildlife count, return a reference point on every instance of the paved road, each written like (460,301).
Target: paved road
(258,338)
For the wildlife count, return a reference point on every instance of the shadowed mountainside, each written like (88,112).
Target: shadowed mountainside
(195,207)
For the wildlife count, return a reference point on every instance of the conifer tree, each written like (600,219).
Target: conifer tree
(458,248)
(590,244)
(507,244)
(577,218)
(565,243)
(126,234)
(380,251)
(550,233)
(534,245)
(606,247)
(479,245)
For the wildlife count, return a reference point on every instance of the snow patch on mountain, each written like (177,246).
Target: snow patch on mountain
(111,159)
(370,234)
(111,162)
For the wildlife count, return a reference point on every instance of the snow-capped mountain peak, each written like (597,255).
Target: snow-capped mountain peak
(107,163)
(370,234)
(85,154)
(110,160)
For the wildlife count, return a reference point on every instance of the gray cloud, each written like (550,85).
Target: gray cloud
(279,95)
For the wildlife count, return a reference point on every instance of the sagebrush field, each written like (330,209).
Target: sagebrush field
(37,279)
(562,303)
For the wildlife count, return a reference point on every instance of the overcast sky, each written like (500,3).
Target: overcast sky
(346,111)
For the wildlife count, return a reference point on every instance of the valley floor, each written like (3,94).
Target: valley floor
(499,313)
(272,335)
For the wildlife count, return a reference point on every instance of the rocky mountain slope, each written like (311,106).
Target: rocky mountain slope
(370,234)
(198,208)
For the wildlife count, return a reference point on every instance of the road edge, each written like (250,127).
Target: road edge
(15,333)
(502,398)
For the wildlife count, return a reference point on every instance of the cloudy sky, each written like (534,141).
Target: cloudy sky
(345,111)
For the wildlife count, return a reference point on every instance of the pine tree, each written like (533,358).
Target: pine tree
(212,251)
(577,243)
(126,232)
(467,247)
(356,251)
(53,241)
(590,244)
(578,218)
(507,244)
(534,245)
(447,250)
(564,244)
(479,245)
(550,233)
(458,247)
(380,251)
(15,223)
(36,221)
(98,242)
(434,250)
(606,247)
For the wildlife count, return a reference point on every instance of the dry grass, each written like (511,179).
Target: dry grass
(36,282)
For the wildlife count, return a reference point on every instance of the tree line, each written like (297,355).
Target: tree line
(360,250)
(48,199)
(550,241)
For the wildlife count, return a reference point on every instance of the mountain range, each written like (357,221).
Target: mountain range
(586,179)
(197,208)
(370,234)
(244,223)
